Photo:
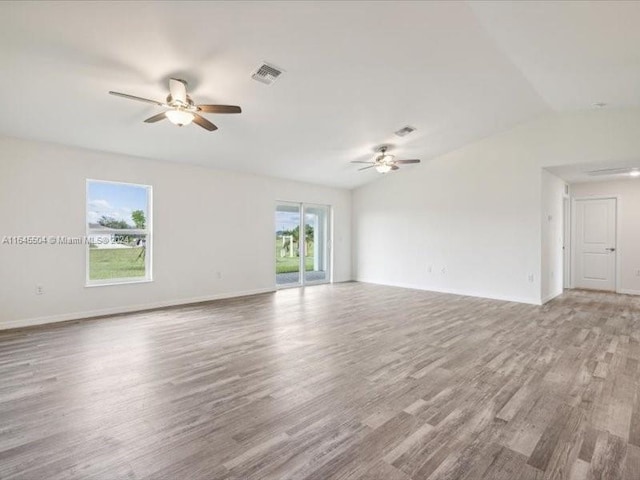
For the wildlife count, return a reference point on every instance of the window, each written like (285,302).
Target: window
(118,233)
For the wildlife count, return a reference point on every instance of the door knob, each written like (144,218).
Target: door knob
(611,249)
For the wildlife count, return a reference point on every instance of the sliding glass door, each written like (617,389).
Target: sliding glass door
(288,216)
(316,222)
(302,244)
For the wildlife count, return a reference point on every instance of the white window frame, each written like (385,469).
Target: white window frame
(100,231)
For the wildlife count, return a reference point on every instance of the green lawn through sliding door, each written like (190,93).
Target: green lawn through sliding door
(107,263)
(292,264)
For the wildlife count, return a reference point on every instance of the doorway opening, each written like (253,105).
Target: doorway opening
(302,246)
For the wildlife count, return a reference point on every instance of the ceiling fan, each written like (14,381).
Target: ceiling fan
(181,108)
(384,162)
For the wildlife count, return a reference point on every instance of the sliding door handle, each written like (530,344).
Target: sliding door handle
(611,249)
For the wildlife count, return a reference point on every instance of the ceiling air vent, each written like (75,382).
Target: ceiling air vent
(267,73)
(405,131)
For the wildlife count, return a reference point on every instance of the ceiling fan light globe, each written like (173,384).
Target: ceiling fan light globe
(384,168)
(635,172)
(180,117)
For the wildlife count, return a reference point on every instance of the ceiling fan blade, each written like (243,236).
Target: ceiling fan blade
(395,167)
(178,90)
(361,161)
(140,99)
(156,118)
(365,168)
(204,123)
(219,108)
(407,161)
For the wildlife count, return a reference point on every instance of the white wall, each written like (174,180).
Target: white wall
(204,220)
(552,229)
(476,211)
(628,242)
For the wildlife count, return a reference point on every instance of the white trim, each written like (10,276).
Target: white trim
(118,281)
(63,317)
(327,234)
(453,291)
(618,234)
(566,242)
(302,245)
(330,241)
(626,291)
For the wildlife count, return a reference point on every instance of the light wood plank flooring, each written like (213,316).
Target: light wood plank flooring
(347,381)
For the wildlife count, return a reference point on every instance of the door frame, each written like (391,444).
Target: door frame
(299,283)
(566,242)
(327,243)
(302,282)
(573,235)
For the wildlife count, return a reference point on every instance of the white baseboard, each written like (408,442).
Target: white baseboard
(64,317)
(465,293)
(626,291)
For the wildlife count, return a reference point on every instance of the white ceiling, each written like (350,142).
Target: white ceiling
(573,53)
(355,73)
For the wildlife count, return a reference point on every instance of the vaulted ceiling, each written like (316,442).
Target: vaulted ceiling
(354,73)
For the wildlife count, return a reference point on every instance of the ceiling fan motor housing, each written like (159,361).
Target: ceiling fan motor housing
(182,110)
(180,104)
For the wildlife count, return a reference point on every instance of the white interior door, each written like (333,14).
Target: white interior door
(595,244)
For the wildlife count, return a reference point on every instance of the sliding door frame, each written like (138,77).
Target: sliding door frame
(326,241)
(328,244)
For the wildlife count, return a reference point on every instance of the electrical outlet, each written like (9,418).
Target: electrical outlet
(39,290)
(429,269)
(530,278)
(637,273)
(444,270)
(219,275)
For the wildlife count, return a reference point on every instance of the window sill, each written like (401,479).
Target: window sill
(120,281)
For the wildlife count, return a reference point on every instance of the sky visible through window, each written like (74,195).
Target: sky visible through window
(115,200)
(287,220)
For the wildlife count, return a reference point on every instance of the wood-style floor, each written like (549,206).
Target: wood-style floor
(347,381)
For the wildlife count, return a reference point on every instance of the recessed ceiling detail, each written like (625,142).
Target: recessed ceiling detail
(613,171)
(597,172)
